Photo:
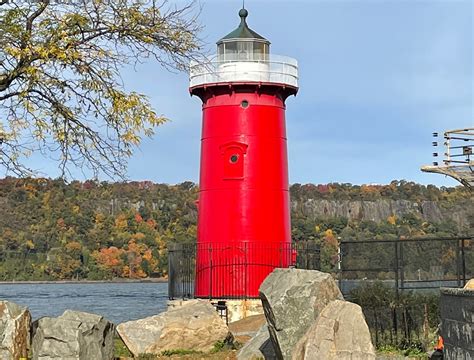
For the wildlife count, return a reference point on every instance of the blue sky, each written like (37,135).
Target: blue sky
(377,78)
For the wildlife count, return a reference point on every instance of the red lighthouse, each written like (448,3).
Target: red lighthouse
(244,210)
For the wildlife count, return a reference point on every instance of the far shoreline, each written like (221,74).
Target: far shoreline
(113,281)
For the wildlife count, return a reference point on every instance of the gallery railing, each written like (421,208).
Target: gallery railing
(274,69)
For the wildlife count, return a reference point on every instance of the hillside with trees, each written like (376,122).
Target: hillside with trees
(52,230)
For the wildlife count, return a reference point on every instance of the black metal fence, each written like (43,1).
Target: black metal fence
(394,282)
(243,260)
(407,264)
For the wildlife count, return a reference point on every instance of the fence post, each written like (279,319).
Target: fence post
(395,320)
(210,271)
(463,263)
(246,271)
(396,267)
(339,263)
(402,267)
(458,263)
(186,269)
(170,274)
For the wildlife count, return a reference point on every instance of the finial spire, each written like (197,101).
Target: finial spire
(243,13)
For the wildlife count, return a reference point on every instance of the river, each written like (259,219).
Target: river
(118,302)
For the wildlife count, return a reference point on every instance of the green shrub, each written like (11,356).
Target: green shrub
(120,349)
(406,321)
(176,352)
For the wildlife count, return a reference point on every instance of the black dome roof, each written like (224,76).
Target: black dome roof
(243,31)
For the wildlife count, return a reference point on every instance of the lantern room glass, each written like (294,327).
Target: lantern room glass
(243,50)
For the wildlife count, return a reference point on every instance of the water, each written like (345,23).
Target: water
(117,302)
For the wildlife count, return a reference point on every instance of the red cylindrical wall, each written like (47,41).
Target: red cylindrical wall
(244,211)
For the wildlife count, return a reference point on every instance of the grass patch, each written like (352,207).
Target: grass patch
(178,352)
(411,352)
(218,346)
(147,357)
(120,349)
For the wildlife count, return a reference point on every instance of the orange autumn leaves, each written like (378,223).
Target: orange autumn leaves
(134,261)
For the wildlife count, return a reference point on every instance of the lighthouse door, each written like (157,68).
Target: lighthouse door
(233,157)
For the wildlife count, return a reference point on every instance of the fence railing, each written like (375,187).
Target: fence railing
(232,271)
(394,282)
(407,264)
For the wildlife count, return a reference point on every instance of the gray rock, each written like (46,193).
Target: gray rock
(380,210)
(339,333)
(259,347)
(74,335)
(193,326)
(14,331)
(292,300)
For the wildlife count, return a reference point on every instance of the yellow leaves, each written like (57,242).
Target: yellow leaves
(28,105)
(133,113)
(121,222)
(30,244)
(99,218)
(73,247)
(138,237)
(392,220)
(131,137)
(329,233)
(60,136)
(13,51)
(76,209)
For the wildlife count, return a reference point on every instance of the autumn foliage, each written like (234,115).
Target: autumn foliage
(91,230)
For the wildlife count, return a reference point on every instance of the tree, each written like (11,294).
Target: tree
(61,92)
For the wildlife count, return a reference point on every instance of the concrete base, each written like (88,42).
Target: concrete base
(236,309)
(241,309)
(457,323)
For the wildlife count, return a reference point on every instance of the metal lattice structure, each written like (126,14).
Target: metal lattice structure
(458,157)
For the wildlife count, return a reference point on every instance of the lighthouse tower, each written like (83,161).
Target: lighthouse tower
(244,207)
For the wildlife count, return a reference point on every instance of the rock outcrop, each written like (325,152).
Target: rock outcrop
(193,326)
(339,333)
(259,347)
(73,335)
(14,331)
(380,210)
(292,300)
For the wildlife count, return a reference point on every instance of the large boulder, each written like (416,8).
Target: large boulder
(14,331)
(339,333)
(259,347)
(292,300)
(195,325)
(74,335)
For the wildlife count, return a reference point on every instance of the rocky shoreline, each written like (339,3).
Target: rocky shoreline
(305,317)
